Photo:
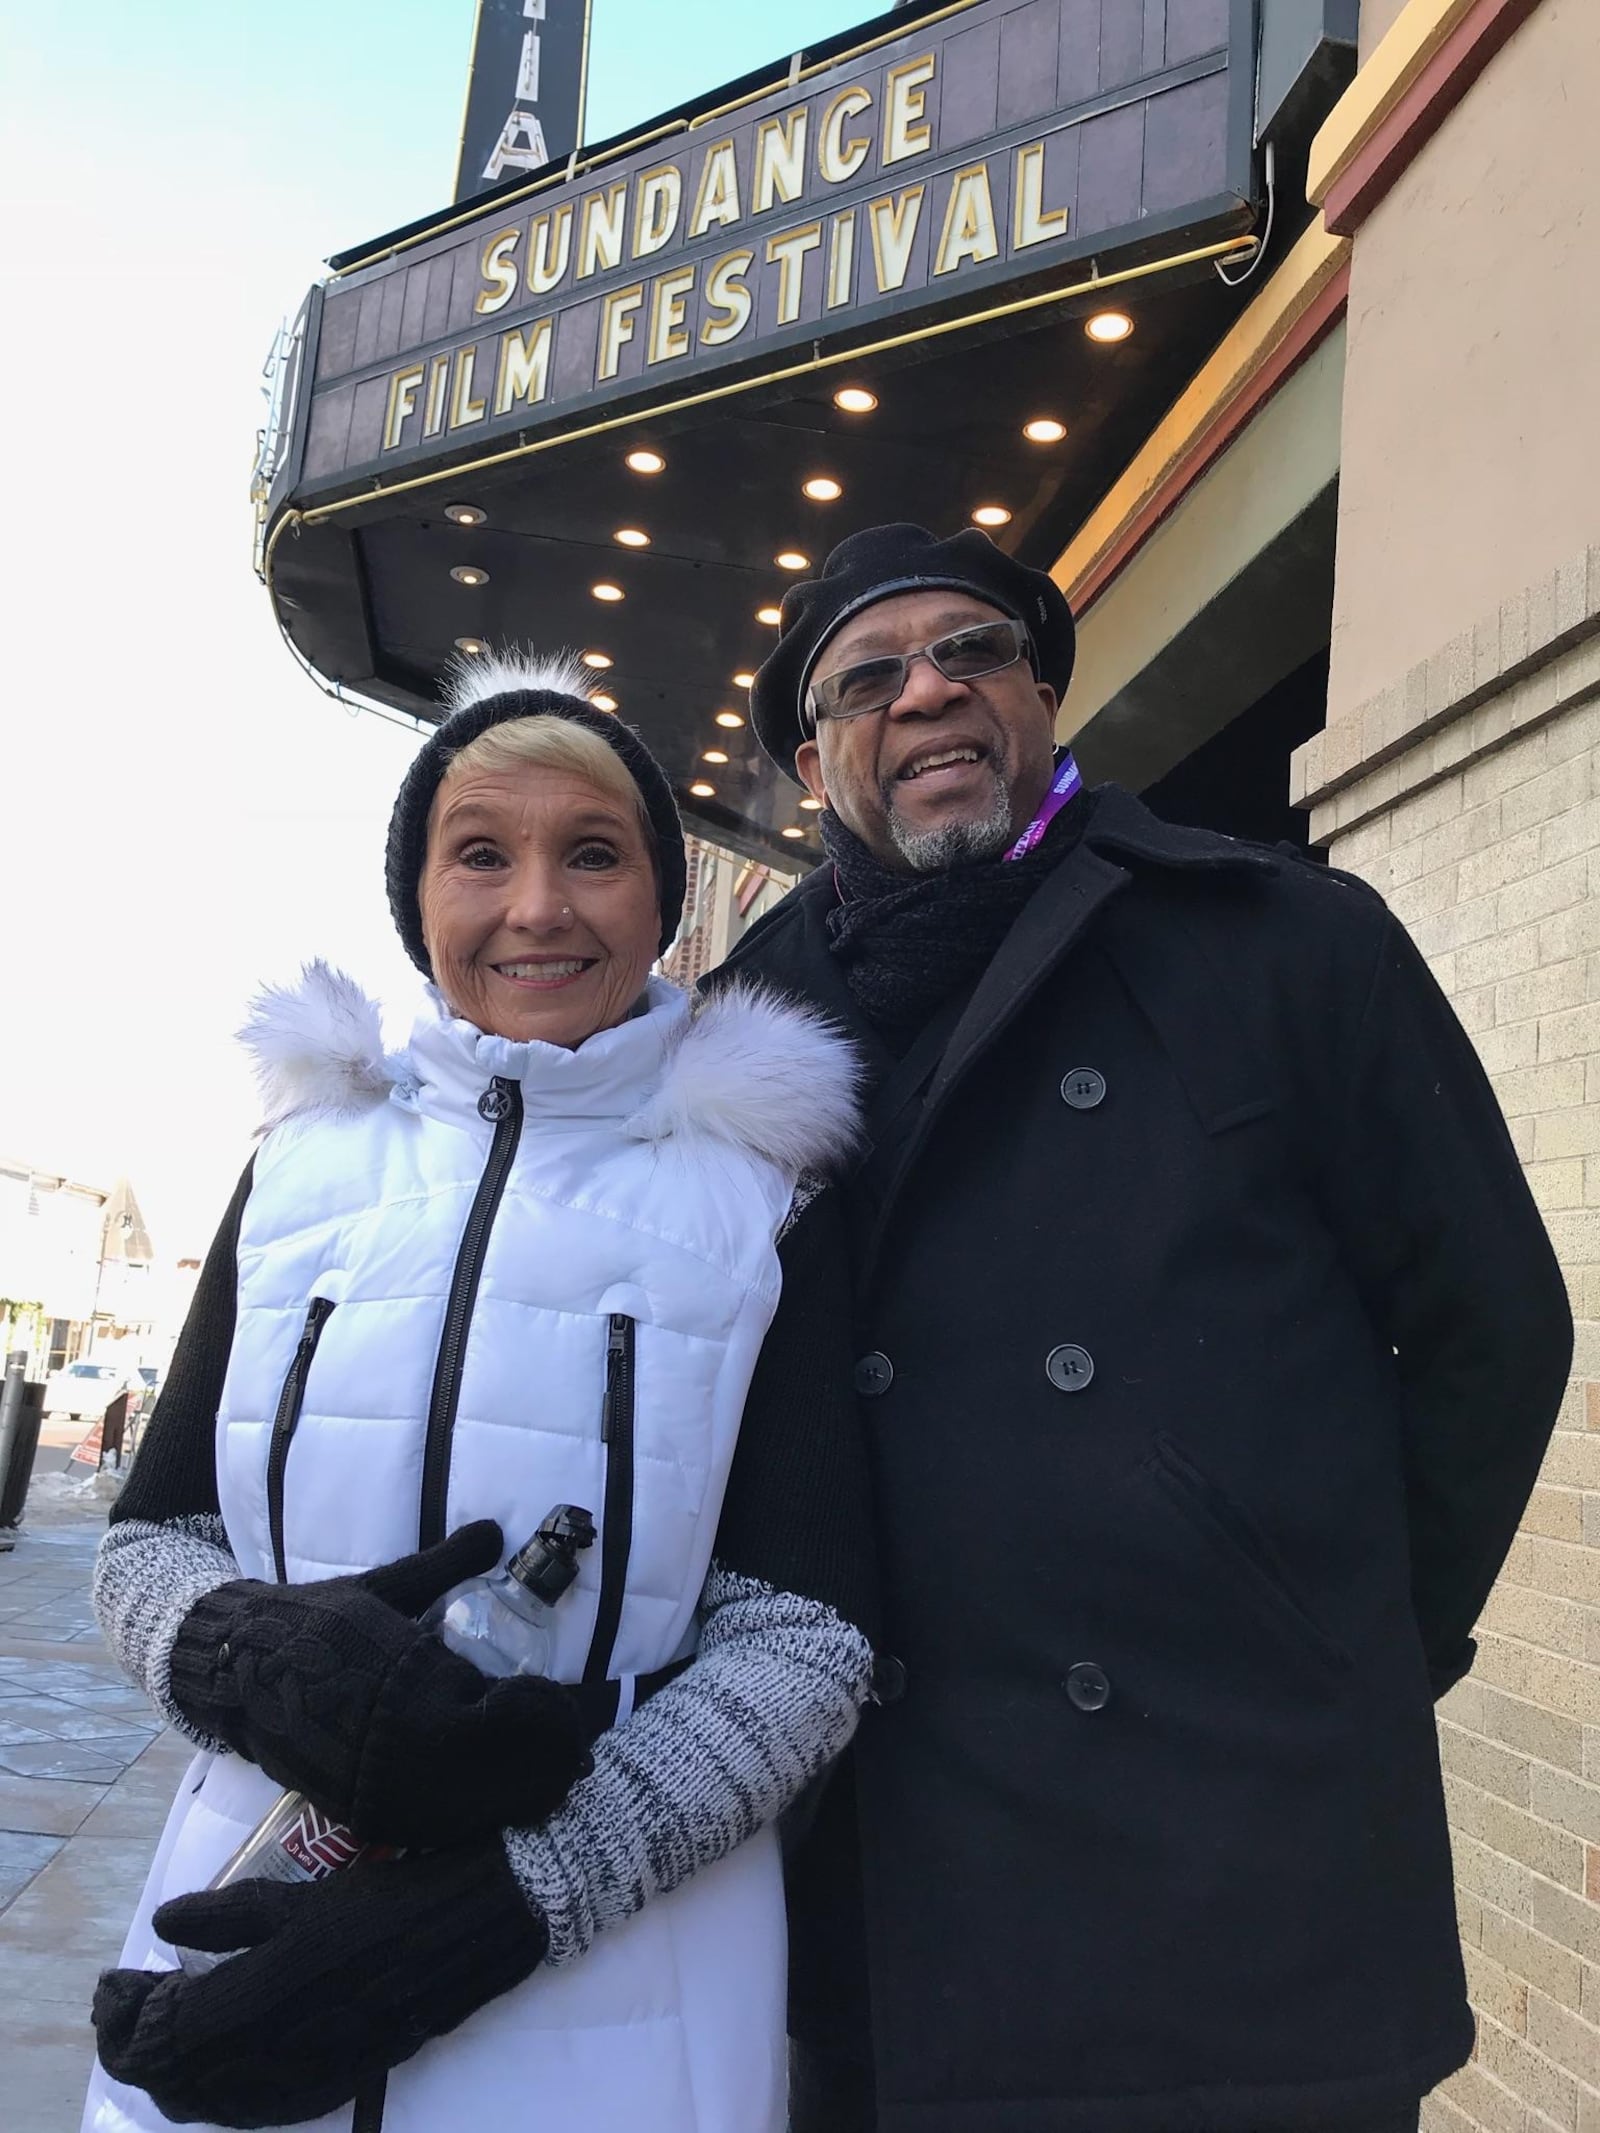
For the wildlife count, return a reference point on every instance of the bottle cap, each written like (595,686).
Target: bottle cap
(548,1563)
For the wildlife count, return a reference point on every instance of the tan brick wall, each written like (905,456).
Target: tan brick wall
(1473,804)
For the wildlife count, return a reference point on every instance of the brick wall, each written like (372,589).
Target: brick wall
(1469,794)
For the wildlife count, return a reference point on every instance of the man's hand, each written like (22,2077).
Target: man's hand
(334,1689)
(341,1980)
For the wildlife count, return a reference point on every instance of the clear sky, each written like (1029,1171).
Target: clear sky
(183,815)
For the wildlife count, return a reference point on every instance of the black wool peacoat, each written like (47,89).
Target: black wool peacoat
(1209,1345)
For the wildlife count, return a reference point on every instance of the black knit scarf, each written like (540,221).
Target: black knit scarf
(907,941)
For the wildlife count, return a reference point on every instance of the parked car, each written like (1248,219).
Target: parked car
(83,1391)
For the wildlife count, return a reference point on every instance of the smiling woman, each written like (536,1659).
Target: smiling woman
(519,1271)
(540,892)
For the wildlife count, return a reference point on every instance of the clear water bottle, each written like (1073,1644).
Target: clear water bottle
(501,1623)
(505,1623)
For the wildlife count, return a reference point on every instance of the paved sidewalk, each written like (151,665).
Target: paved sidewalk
(86,1777)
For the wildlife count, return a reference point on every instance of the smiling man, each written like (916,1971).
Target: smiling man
(1209,1344)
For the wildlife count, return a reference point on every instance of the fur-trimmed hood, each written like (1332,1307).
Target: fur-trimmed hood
(743,1066)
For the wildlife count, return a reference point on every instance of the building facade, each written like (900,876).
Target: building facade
(1459,772)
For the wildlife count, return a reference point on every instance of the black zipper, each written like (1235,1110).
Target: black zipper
(616,1526)
(287,1420)
(367,2116)
(502,1102)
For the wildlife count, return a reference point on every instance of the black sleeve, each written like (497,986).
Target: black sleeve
(797,1514)
(175,1473)
(1453,1259)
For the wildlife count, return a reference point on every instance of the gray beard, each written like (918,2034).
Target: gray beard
(956,844)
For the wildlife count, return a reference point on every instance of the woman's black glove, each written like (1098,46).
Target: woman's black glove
(334,1689)
(342,1979)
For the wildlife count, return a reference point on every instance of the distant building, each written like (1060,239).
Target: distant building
(724,897)
(76,1267)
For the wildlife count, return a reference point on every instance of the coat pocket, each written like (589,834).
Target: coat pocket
(1233,1536)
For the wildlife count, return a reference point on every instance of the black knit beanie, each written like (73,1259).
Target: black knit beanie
(484,693)
(875,564)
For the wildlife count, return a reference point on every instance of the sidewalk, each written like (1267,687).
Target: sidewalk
(86,1777)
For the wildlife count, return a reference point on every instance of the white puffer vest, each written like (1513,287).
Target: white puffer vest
(477,1280)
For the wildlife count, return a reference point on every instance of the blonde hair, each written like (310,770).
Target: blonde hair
(547,742)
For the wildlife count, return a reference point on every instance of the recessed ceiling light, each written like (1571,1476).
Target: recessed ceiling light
(469,645)
(469,574)
(772,616)
(701,790)
(603,591)
(631,537)
(597,660)
(646,462)
(602,701)
(1044,429)
(744,680)
(465,514)
(730,719)
(855,400)
(793,829)
(1109,326)
(991,515)
(822,489)
(812,807)
(792,559)
(714,755)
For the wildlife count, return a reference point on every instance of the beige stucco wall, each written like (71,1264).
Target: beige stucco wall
(1376,17)
(1472,383)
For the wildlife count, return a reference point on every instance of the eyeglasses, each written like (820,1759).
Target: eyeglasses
(873,684)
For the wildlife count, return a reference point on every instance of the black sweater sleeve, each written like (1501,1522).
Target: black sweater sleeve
(797,1514)
(175,1473)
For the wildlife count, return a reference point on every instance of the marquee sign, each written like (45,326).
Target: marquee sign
(927,175)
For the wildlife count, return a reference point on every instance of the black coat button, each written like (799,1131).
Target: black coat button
(874,1374)
(1069,1368)
(888,1679)
(1088,1686)
(1083,1088)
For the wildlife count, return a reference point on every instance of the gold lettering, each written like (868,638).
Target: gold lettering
(717,201)
(780,159)
(905,98)
(498,267)
(655,213)
(600,231)
(893,222)
(463,408)
(402,399)
(969,231)
(524,366)
(616,328)
(841,258)
(727,290)
(1031,221)
(549,248)
(789,252)
(433,407)
(668,296)
(837,158)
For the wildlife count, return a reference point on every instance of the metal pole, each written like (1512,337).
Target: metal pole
(11,1416)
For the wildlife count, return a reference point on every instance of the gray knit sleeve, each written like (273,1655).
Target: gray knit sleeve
(147,1576)
(772,1697)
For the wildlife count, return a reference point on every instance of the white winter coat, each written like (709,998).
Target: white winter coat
(637,1206)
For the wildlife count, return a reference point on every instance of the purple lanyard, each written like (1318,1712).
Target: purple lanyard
(1068,780)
